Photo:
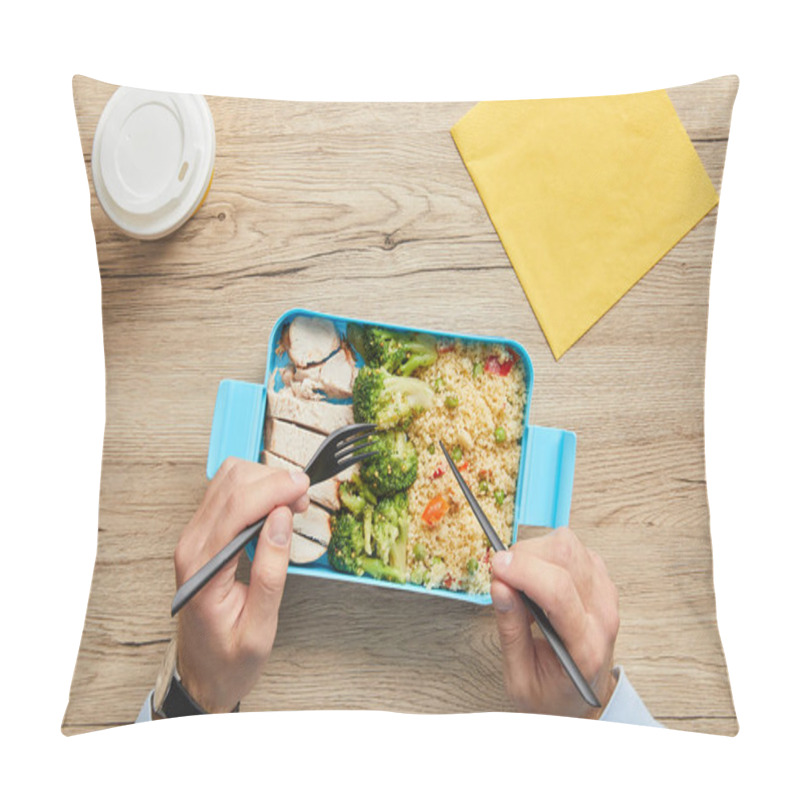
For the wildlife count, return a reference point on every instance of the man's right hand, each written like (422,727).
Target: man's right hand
(571,584)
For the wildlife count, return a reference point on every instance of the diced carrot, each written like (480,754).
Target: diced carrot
(435,510)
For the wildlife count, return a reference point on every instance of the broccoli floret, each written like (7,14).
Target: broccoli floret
(351,498)
(393,468)
(397,352)
(346,550)
(367,522)
(346,545)
(390,530)
(363,490)
(381,572)
(388,400)
(355,496)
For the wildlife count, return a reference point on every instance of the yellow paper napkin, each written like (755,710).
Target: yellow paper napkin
(586,195)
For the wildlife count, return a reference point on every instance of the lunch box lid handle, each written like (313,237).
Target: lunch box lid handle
(548,473)
(238,425)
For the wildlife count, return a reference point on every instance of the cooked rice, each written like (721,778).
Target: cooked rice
(486,402)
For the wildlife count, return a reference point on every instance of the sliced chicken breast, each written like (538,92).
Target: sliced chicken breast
(314,523)
(312,532)
(305,551)
(290,441)
(310,340)
(325,494)
(296,444)
(333,377)
(312,413)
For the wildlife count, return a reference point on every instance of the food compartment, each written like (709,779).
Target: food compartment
(399,520)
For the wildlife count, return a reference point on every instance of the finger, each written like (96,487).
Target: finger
(549,586)
(564,548)
(233,472)
(268,577)
(300,506)
(243,493)
(247,501)
(237,471)
(516,640)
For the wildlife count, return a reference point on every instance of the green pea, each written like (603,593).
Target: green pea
(477,369)
(457,454)
(483,487)
(437,384)
(472,566)
(451,401)
(500,435)
(431,448)
(420,553)
(499,497)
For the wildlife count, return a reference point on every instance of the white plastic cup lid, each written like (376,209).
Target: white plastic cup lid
(152,159)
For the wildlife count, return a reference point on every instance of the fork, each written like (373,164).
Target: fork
(342,449)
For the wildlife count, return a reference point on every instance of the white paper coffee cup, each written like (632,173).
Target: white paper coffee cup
(152,160)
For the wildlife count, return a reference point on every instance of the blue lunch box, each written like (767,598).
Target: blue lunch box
(547,457)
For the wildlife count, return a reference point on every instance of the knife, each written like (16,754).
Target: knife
(554,640)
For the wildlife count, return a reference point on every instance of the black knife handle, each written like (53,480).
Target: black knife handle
(570,667)
(554,640)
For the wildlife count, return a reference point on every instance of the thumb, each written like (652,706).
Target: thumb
(514,627)
(268,572)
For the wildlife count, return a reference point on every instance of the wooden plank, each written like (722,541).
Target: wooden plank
(308,201)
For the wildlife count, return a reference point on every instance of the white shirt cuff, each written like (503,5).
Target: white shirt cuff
(146,713)
(625,704)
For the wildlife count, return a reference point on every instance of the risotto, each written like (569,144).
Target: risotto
(478,413)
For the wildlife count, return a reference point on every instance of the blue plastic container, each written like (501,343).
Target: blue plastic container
(547,457)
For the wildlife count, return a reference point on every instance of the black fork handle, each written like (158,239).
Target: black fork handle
(191,587)
(554,640)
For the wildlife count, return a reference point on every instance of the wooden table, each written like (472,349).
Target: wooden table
(367,210)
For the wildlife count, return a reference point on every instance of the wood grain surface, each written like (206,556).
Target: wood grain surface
(366,210)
